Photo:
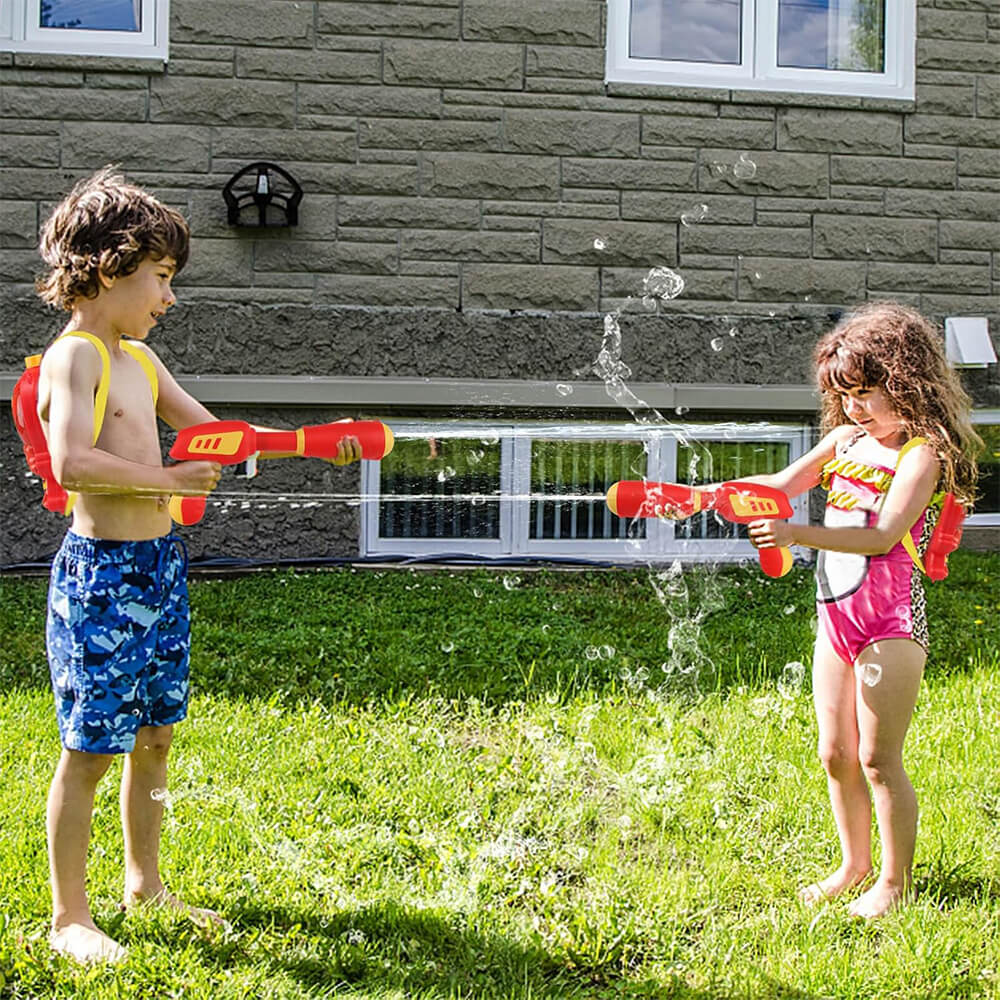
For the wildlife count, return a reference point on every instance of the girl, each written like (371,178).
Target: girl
(884,380)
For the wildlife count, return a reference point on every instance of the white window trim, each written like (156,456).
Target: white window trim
(758,69)
(660,542)
(988,519)
(19,34)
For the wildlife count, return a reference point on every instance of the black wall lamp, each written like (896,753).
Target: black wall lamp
(265,185)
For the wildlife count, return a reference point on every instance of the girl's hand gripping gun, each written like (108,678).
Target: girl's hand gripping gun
(231,442)
(738,502)
(23,402)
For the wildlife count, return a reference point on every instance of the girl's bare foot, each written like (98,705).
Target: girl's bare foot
(879,900)
(199,916)
(833,885)
(85,944)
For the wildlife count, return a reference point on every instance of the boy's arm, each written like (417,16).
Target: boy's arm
(73,370)
(180,409)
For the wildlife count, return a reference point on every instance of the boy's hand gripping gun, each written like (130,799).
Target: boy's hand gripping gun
(738,502)
(23,403)
(231,442)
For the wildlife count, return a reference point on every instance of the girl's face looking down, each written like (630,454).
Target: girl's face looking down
(870,408)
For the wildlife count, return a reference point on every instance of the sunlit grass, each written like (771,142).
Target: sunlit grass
(433,785)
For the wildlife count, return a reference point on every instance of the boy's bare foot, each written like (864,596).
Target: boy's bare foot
(199,916)
(879,900)
(85,944)
(832,886)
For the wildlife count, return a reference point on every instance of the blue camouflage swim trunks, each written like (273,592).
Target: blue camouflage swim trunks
(118,639)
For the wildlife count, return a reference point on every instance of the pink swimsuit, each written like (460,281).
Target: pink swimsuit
(863,599)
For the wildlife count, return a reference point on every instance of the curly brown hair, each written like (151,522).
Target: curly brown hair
(891,346)
(105,225)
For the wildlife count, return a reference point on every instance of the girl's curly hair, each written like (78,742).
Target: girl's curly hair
(891,346)
(105,225)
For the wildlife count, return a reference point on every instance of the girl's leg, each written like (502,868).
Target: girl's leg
(884,712)
(834,697)
(142,819)
(69,809)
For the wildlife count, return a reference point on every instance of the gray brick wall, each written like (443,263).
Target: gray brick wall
(460,158)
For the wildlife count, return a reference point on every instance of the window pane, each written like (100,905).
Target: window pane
(440,488)
(989,470)
(721,461)
(688,30)
(562,469)
(92,15)
(832,34)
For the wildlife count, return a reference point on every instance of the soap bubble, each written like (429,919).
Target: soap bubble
(717,343)
(871,674)
(600,243)
(563,389)
(447,647)
(592,653)
(662,283)
(744,168)
(790,682)
(511,582)
(693,215)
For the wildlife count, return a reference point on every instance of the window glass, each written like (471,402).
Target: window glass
(92,15)
(719,462)
(989,470)
(832,34)
(561,469)
(687,30)
(440,488)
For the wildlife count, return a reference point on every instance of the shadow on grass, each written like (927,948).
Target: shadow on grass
(432,954)
(949,887)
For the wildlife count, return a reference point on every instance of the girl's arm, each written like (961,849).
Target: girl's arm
(910,492)
(804,473)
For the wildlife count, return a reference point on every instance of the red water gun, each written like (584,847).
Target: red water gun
(23,403)
(945,538)
(231,442)
(738,501)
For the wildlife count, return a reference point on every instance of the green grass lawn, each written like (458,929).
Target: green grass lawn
(441,784)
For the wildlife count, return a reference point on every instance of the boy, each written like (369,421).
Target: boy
(118,621)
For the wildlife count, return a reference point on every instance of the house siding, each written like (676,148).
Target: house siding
(459,159)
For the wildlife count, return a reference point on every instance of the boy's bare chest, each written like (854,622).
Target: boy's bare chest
(129,427)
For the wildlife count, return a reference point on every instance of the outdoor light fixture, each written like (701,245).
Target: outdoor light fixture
(264,185)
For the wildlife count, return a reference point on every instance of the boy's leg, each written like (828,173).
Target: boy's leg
(70,805)
(834,696)
(142,819)
(884,713)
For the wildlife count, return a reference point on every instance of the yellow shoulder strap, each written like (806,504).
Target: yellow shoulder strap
(101,396)
(907,539)
(147,366)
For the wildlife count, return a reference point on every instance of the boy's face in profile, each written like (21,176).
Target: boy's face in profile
(135,301)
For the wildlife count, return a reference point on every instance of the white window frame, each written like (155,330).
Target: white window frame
(18,33)
(987,518)
(660,543)
(758,68)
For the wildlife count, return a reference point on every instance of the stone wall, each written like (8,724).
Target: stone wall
(460,159)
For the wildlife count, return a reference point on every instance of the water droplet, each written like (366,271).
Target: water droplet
(563,389)
(744,168)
